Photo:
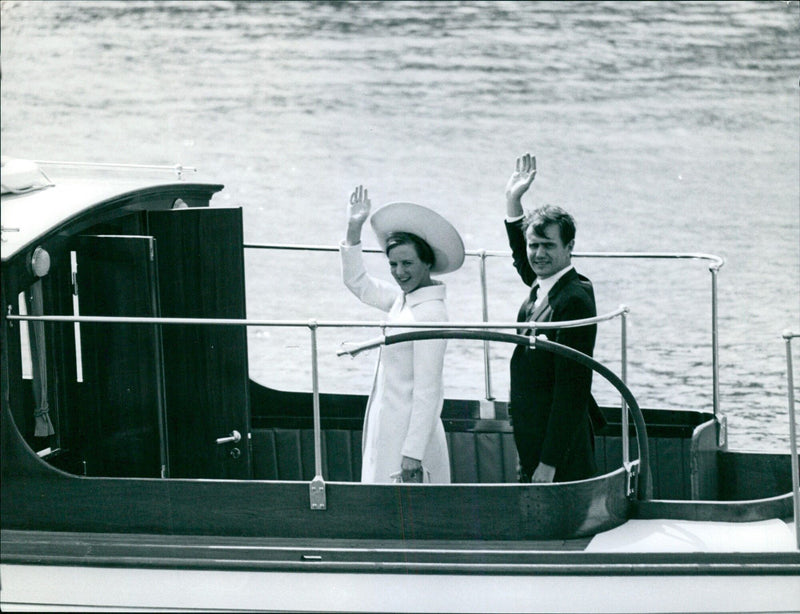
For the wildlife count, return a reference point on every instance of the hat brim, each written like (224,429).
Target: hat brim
(446,243)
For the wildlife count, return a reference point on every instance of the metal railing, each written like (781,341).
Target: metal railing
(317,491)
(788,336)
(715,264)
(178,169)
(317,485)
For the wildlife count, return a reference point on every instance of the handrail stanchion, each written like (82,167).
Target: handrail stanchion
(624,377)
(714,339)
(317,486)
(487,369)
(793,435)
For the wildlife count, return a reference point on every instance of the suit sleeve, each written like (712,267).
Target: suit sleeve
(369,290)
(572,382)
(428,391)
(519,251)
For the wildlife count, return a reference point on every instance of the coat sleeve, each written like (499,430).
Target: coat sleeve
(519,251)
(375,292)
(572,382)
(428,387)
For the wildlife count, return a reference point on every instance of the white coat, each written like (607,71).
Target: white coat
(403,416)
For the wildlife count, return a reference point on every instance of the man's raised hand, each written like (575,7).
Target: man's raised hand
(522,177)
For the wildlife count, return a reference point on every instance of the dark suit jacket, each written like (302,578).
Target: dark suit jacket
(551,395)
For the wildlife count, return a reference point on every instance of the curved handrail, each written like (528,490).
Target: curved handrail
(542,343)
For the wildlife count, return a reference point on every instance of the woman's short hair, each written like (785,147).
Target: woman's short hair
(424,251)
(539,219)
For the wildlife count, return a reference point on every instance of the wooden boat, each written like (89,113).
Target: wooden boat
(173,481)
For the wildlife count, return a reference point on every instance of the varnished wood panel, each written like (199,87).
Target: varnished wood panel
(672,477)
(339,456)
(463,457)
(265,456)
(122,363)
(748,475)
(491,467)
(281,509)
(201,275)
(288,448)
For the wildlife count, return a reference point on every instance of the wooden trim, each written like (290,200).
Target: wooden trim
(722,511)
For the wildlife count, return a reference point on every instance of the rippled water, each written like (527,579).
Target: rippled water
(662,126)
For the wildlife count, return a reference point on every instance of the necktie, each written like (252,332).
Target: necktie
(532,302)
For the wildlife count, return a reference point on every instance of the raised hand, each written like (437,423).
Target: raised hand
(357,214)
(522,178)
(358,209)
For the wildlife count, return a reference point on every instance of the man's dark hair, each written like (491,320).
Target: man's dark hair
(541,218)
(423,250)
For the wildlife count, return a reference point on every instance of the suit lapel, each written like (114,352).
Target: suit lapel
(529,313)
(544,312)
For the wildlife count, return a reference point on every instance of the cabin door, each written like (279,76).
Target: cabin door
(201,275)
(122,425)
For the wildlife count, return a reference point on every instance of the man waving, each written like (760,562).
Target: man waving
(550,398)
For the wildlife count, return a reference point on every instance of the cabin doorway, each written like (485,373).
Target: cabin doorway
(122,425)
(166,400)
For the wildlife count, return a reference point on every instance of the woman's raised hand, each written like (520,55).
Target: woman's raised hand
(357,214)
(521,179)
(358,209)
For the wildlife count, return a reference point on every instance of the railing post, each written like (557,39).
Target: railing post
(317,486)
(487,369)
(714,339)
(624,377)
(793,435)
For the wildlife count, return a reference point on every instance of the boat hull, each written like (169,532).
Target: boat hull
(74,571)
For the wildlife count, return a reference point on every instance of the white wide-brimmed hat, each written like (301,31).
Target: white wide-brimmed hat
(446,243)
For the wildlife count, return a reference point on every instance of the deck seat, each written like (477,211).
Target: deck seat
(683,444)
(288,454)
(475,457)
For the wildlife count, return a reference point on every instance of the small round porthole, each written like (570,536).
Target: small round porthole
(40,262)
